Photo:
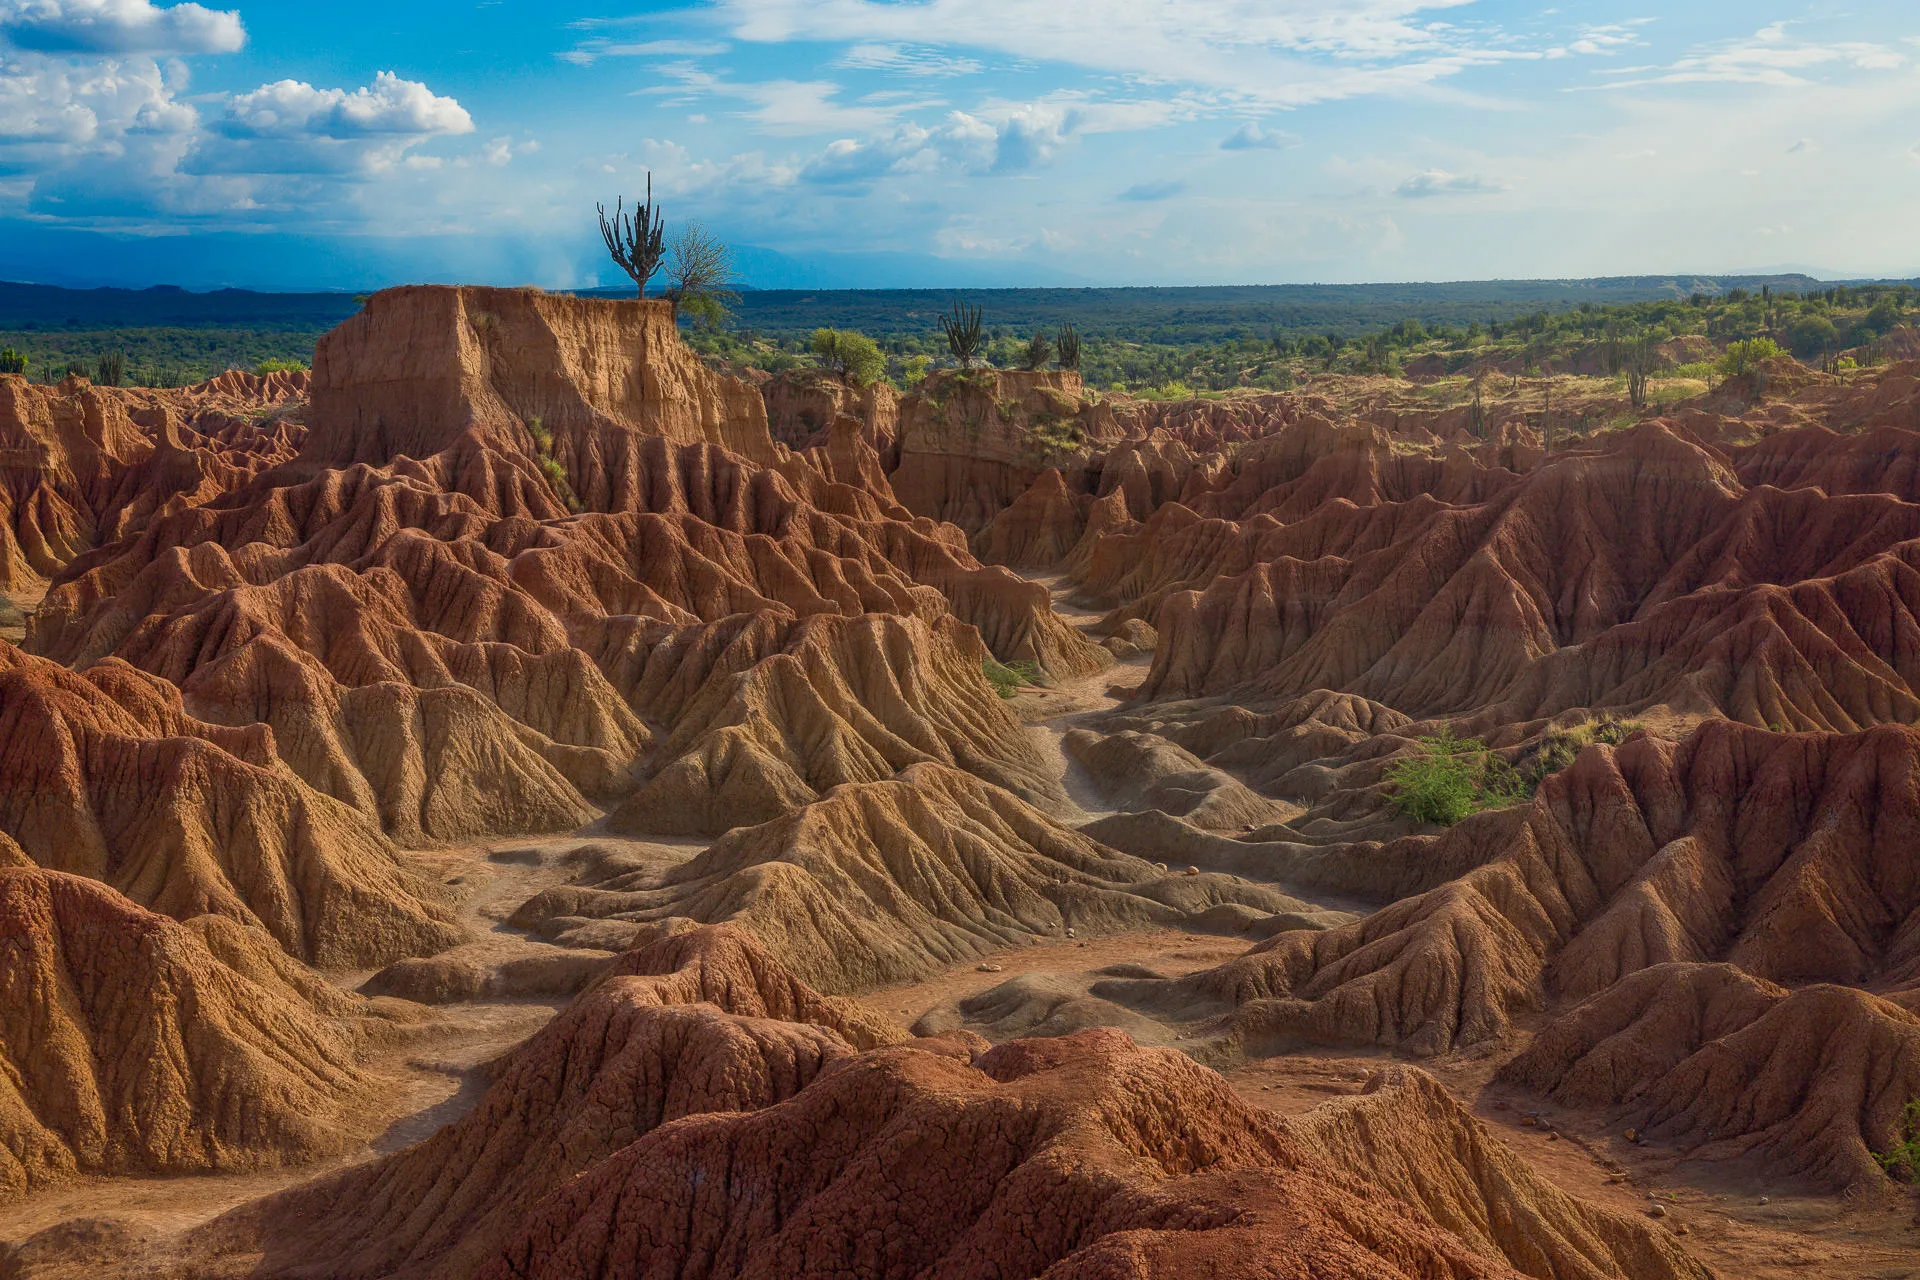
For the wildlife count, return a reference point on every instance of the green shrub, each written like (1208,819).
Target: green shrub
(557,477)
(1902,1159)
(278,365)
(1449,778)
(1748,354)
(1007,678)
(12,361)
(111,371)
(854,356)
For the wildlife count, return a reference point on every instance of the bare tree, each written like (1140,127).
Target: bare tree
(635,241)
(700,276)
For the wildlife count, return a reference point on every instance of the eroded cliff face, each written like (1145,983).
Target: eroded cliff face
(802,403)
(422,367)
(972,440)
(81,466)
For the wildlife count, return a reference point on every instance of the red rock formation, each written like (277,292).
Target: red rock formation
(1729,1067)
(130,1043)
(1782,855)
(86,465)
(1079,1157)
(893,880)
(107,777)
(422,369)
(704,1021)
(431,637)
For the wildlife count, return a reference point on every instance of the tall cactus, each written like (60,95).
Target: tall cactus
(965,338)
(637,242)
(1067,345)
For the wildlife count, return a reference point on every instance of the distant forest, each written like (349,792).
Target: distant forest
(1142,337)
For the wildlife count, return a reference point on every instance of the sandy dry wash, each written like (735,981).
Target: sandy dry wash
(518,802)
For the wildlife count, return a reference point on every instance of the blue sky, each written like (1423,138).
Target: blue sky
(352,143)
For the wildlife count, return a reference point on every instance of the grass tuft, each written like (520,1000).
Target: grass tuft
(1008,678)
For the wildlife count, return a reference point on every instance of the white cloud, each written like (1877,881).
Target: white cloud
(1767,57)
(994,138)
(1438,182)
(912,60)
(588,52)
(1252,137)
(49,102)
(784,106)
(390,106)
(1151,191)
(1274,52)
(1604,40)
(118,27)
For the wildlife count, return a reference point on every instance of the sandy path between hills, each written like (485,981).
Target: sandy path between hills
(1052,710)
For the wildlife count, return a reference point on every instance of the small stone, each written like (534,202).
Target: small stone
(1657,1211)
(987,968)
(1070,933)
(1527,1122)
(1764,1199)
(1552,1136)
(1191,871)
(1680,1229)
(1616,1179)
(1631,1135)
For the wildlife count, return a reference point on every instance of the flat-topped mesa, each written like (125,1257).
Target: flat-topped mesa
(423,367)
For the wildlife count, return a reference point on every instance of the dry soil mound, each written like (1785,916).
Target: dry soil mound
(130,1043)
(890,881)
(703,1021)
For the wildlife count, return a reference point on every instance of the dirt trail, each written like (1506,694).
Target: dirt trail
(1052,711)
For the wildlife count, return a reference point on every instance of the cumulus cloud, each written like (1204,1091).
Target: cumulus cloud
(1438,182)
(295,109)
(1148,191)
(1000,138)
(118,27)
(1252,137)
(291,127)
(54,109)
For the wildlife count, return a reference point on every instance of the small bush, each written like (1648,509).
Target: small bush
(1740,357)
(557,477)
(277,365)
(854,356)
(12,361)
(1902,1159)
(1451,778)
(1008,678)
